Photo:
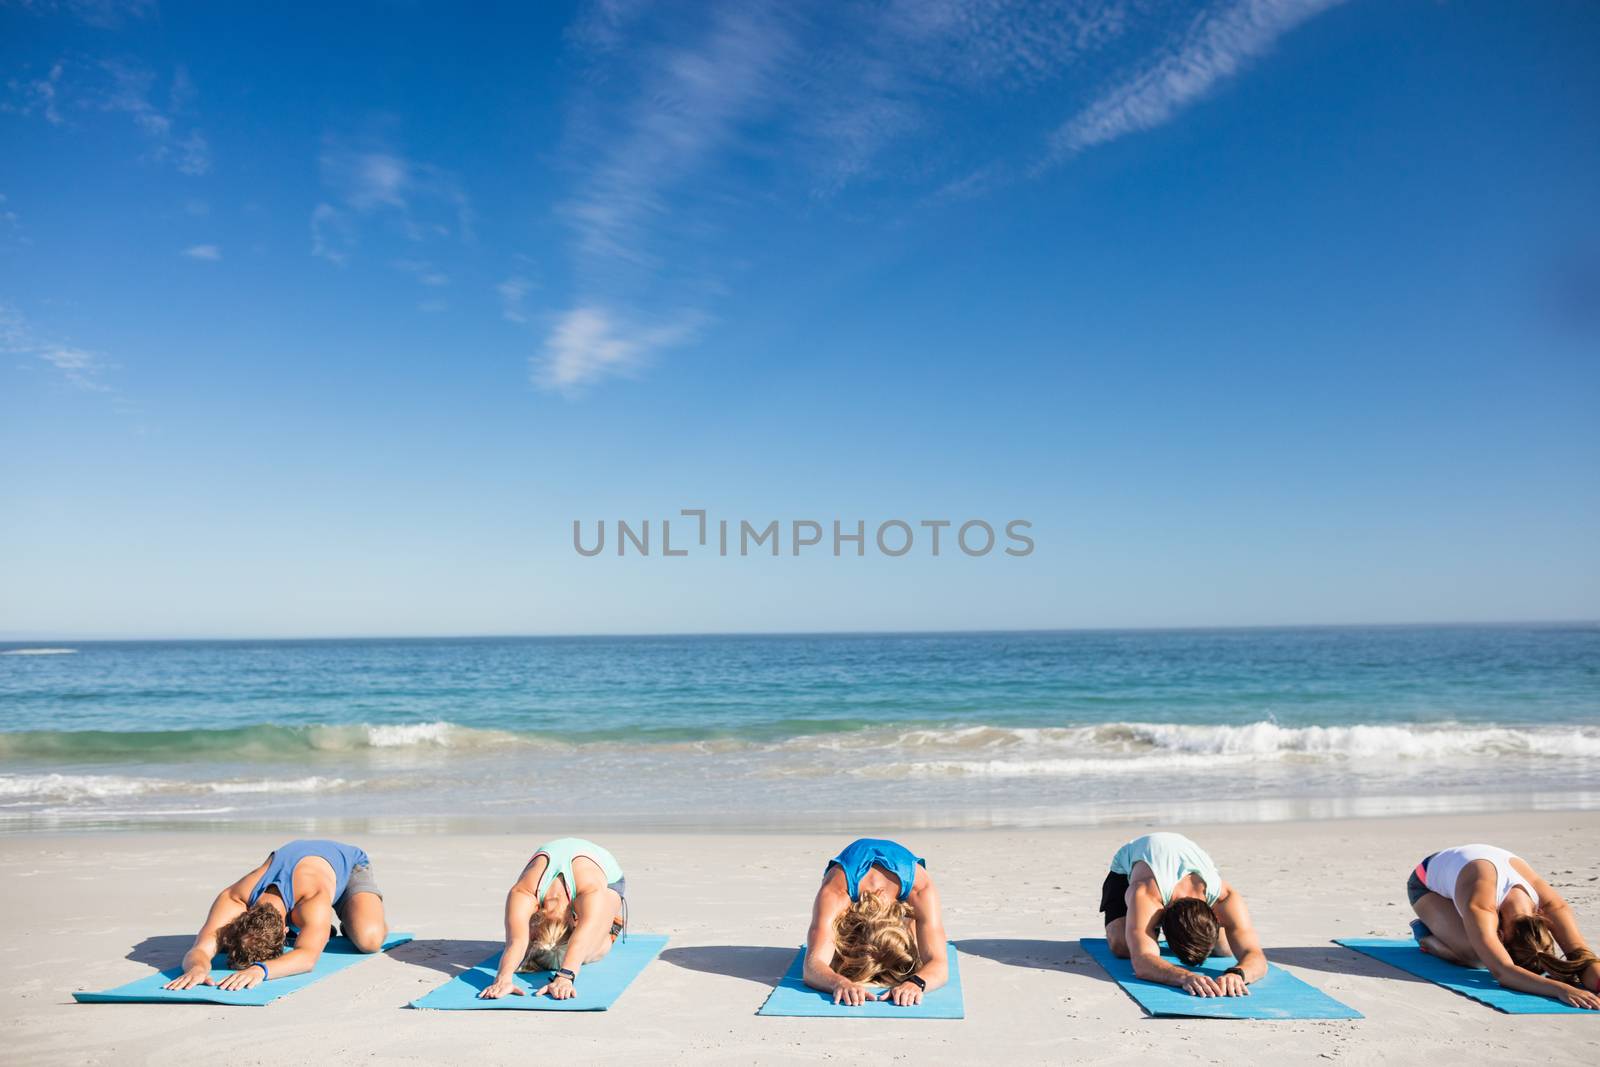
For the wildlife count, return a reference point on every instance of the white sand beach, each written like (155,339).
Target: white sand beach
(92,910)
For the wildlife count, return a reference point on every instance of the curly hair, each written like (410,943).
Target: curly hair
(1190,929)
(1532,946)
(873,943)
(253,937)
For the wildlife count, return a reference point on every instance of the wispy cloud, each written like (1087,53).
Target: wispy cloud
(80,368)
(331,235)
(419,201)
(425,273)
(211,253)
(37,95)
(102,14)
(588,344)
(686,104)
(118,88)
(817,95)
(512,292)
(1216,46)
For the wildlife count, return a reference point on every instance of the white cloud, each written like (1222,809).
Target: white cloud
(206,252)
(512,292)
(80,368)
(1215,47)
(331,235)
(40,96)
(117,88)
(589,343)
(425,273)
(102,14)
(420,201)
(816,96)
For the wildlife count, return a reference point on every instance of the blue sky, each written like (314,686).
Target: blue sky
(332,322)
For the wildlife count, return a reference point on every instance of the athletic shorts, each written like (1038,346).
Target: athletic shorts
(1416,888)
(361,881)
(620,887)
(1114,897)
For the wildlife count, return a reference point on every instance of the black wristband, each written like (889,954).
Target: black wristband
(568,975)
(1238,970)
(916,980)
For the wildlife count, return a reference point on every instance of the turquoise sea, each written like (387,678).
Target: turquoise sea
(832,732)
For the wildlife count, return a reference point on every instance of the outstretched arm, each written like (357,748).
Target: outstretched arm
(1482,921)
(588,935)
(1563,924)
(229,905)
(521,903)
(1234,917)
(818,970)
(1144,949)
(931,945)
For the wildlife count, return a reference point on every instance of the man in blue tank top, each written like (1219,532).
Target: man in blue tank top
(301,887)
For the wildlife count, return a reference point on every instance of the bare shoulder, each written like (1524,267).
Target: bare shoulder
(590,876)
(1549,896)
(243,887)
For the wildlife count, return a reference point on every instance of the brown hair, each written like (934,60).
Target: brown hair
(252,937)
(547,946)
(1532,947)
(873,943)
(1190,929)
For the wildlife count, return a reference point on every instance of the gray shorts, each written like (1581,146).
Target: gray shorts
(361,881)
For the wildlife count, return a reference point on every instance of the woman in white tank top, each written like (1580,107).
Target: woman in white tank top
(1481,905)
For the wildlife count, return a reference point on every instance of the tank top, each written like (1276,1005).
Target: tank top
(561,852)
(281,864)
(1442,871)
(861,856)
(1170,857)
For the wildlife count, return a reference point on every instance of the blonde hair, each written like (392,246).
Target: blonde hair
(873,943)
(547,946)
(1532,947)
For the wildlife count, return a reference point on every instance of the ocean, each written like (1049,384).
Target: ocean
(826,732)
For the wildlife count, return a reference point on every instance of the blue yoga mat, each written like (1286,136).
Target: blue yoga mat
(1278,995)
(599,984)
(793,997)
(338,955)
(1474,982)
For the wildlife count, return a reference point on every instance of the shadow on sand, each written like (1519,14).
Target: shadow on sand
(763,964)
(1065,956)
(448,956)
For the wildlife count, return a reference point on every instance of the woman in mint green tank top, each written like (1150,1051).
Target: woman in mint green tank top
(1164,886)
(567,909)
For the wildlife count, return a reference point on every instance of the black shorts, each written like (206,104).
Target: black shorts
(1416,888)
(1114,897)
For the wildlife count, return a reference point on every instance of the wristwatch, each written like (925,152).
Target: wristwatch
(1238,970)
(568,975)
(917,981)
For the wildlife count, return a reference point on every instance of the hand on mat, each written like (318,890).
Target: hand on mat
(1573,997)
(248,978)
(500,988)
(1233,986)
(1203,985)
(905,994)
(557,988)
(853,994)
(192,977)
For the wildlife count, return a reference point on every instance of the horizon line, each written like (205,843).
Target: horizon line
(664,634)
